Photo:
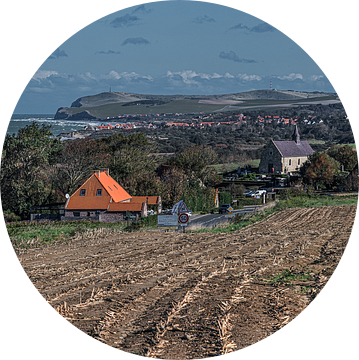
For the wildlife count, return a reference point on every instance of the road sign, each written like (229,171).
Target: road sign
(167,222)
(183,208)
(230,210)
(183,218)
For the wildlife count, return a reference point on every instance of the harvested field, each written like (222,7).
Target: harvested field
(182,296)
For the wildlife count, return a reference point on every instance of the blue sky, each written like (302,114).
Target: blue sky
(172,47)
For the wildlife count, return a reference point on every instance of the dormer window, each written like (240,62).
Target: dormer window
(99,192)
(83,192)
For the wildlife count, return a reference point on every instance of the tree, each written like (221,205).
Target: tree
(320,170)
(345,155)
(174,183)
(132,165)
(194,162)
(351,183)
(28,159)
(77,160)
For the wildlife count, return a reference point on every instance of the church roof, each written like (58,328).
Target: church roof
(292,148)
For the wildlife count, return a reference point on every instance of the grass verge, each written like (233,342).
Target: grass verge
(27,234)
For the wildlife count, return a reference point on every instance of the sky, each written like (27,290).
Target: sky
(171,47)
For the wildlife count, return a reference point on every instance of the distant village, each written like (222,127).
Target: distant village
(201,122)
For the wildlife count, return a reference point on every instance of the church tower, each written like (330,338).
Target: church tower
(296,136)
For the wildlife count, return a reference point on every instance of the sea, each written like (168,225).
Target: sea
(19,121)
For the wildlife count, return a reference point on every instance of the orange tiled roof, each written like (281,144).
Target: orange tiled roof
(125,207)
(88,203)
(116,191)
(152,200)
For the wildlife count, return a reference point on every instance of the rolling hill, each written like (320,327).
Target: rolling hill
(112,104)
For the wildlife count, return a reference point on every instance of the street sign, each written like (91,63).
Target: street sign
(167,222)
(183,218)
(183,208)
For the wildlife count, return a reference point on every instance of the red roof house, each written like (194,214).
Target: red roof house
(100,197)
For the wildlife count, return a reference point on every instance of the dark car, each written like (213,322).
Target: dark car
(224,209)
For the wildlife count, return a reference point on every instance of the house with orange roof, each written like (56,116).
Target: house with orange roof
(101,198)
(153,202)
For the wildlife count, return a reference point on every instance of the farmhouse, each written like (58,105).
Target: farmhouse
(101,198)
(281,157)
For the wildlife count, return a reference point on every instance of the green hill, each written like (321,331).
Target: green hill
(112,104)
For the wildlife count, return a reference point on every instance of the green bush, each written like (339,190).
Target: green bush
(225,197)
(11,217)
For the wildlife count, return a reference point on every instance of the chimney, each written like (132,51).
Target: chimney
(96,172)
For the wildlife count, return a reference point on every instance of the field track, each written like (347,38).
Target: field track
(183,296)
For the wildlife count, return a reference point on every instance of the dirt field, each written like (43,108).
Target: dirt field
(183,296)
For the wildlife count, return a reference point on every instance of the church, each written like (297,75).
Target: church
(281,157)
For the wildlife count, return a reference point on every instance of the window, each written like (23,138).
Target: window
(290,162)
(83,192)
(110,188)
(99,192)
(298,161)
(76,214)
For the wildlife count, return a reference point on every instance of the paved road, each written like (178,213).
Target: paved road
(208,221)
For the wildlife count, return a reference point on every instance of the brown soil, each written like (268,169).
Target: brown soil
(183,296)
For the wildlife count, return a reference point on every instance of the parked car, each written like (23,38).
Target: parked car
(224,209)
(167,212)
(249,194)
(258,193)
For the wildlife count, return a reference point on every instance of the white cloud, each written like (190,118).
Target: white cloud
(40,90)
(133,75)
(291,77)
(191,77)
(87,77)
(43,74)
(125,75)
(315,77)
(228,76)
(111,75)
(246,77)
